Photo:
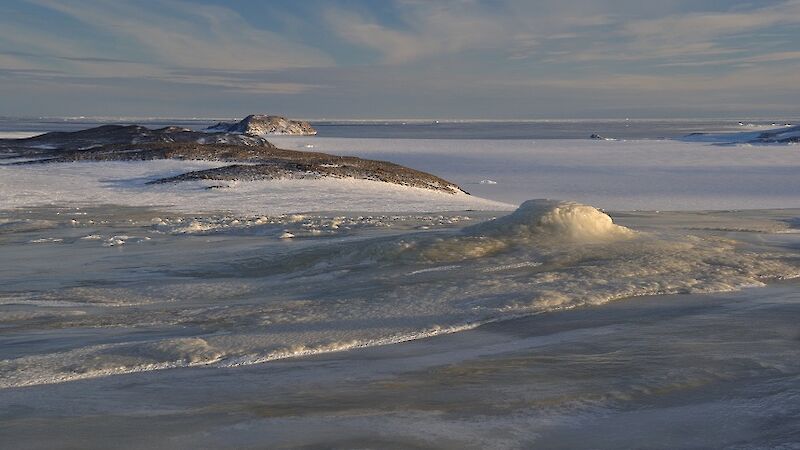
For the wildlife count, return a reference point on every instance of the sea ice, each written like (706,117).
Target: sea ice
(615,175)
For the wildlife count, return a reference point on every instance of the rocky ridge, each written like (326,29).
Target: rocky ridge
(124,135)
(252,157)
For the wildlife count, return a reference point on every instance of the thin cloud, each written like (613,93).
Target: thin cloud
(176,36)
(695,35)
(400,55)
(189,35)
(66,58)
(702,26)
(748,79)
(431,29)
(688,39)
(752,59)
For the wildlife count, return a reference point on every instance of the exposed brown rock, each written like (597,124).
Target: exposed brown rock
(262,159)
(263,125)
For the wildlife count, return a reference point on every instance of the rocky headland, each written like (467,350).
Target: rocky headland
(252,157)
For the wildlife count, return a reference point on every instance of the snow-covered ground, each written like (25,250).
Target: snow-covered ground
(615,175)
(124,183)
(19,134)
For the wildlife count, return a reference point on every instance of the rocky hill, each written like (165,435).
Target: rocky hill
(252,157)
(263,125)
(123,135)
(274,164)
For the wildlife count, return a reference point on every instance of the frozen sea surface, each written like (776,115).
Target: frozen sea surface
(617,175)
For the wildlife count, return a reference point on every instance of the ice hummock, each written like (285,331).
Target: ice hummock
(553,219)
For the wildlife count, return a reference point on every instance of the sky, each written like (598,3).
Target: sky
(401,59)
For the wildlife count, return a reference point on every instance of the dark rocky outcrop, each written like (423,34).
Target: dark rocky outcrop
(124,135)
(600,138)
(253,158)
(159,150)
(285,164)
(263,125)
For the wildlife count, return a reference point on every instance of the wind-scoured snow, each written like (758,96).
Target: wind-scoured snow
(125,183)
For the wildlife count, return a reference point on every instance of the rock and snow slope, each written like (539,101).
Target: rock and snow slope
(264,125)
(126,183)
(255,158)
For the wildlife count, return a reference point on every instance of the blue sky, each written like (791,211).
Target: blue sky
(493,59)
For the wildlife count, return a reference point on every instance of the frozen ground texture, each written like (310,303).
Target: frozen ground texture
(173,330)
(715,371)
(150,293)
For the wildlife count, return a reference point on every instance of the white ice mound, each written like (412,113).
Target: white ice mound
(553,219)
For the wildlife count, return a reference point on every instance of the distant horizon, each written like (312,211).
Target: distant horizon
(99,118)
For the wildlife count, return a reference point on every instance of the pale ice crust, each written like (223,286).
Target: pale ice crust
(266,301)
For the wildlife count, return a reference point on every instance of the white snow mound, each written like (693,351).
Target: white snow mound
(553,219)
